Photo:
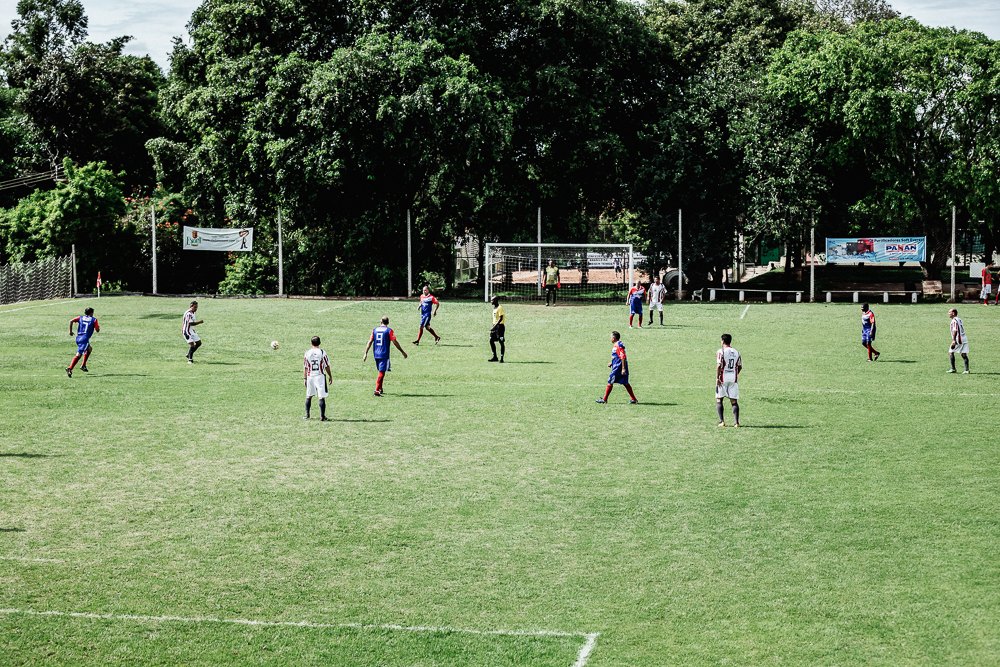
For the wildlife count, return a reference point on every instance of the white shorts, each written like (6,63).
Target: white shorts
(191,337)
(656,306)
(316,386)
(961,348)
(985,292)
(727,390)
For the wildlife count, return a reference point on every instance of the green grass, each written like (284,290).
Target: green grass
(851,522)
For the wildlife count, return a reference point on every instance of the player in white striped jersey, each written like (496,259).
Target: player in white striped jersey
(187,330)
(315,365)
(656,293)
(959,341)
(727,370)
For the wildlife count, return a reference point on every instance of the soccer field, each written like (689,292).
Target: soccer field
(156,512)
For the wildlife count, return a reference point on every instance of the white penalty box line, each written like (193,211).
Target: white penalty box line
(590,638)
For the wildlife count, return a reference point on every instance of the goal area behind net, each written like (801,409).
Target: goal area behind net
(586,272)
(37,281)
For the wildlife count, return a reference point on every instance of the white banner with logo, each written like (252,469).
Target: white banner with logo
(227,240)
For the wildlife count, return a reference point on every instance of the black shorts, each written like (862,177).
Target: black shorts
(550,288)
(496,333)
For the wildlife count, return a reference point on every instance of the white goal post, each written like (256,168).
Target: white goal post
(586,271)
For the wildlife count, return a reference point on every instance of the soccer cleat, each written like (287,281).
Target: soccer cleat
(325,419)
(868,359)
(633,402)
(965,372)
(501,360)
(190,361)
(736,425)
(377,393)
(69,372)
(721,424)
(600,400)
(84,369)
(877,355)
(416,342)
(306,417)
(437,340)
(950,370)
(493,359)
(630,326)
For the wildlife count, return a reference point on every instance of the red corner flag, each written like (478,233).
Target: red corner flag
(98,278)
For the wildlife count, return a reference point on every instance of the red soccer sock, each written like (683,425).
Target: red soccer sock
(608,391)
(85,357)
(420,333)
(72,364)
(640,320)
(378,382)
(630,319)
(628,388)
(431,332)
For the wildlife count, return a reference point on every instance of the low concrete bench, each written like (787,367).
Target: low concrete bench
(713,292)
(885,294)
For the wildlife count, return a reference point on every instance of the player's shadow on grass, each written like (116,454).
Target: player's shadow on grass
(657,404)
(124,375)
(366,421)
(26,455)
(773,426)
(529,362)
(454,345)
(11,530)
(426,395)
(219,363)
(898,361)
(160,316)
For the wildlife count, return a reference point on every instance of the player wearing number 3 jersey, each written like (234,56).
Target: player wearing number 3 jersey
(727,370)
(380,338)
(316,367)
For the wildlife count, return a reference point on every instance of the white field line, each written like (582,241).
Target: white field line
(45,305)
(343,305)
(759,390)
(582,656)
(745,311)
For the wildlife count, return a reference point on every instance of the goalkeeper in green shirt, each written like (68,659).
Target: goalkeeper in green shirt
(552,281)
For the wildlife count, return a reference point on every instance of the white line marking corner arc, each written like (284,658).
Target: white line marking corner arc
(582,656)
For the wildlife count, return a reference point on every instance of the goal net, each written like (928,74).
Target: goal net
(36,281)
(586,272)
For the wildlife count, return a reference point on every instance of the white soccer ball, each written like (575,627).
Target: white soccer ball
(275,345)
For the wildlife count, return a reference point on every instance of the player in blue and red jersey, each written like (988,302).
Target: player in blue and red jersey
(635,297)
(619,369)
(86,325)
(381,337)
(427,300)
(868,331)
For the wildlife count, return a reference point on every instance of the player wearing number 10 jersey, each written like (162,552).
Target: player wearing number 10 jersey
(380,338)
(316,367)
(727,370)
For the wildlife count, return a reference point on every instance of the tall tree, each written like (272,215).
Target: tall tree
(910,101)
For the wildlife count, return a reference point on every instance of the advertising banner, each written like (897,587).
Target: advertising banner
(876,249)
(227,240)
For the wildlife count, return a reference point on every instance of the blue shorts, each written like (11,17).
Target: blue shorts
(82,344)
(382,365)
(635,311)
(425,320)
(620,379)
(867,337)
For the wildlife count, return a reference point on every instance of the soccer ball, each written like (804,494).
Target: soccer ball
(275,345)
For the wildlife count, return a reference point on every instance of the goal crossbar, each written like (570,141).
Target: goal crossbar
(535,264)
